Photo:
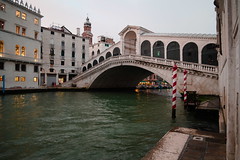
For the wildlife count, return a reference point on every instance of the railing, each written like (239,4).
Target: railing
(14,57)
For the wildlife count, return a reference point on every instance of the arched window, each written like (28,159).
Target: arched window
(98,51)
(146,48)
(101,59)
(108,55)
(116,51)
(209,55)
(158,49)
(84,69)
(190,52)
(89,65)
(17,50)
(35,53)
(73,45)
(92,53)
(173,51)
(95,62)
(23,51)
(1,46)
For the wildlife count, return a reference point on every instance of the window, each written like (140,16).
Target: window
(1,78)
(18,29)
(35,79)
(23,67)
(83,39)
(24,31)
(1,47)
(51,70)
(62,53)
(23,79)
(17,79)
(51,51)
(73,63)
(62,63)
(17,67)
(73,37)
(1,24)
(41,30)
(106,45)
(35,69)
(17,50)
(36,35)
(63,35)
(83,56)
(24,16)
(73,45)
(73,54)
(52,32)
(35,53)
(83,47)
(62,70)
(2,7)
(18,13)
(23,51)
(52,62)
(36,21)
(1,65)
(62,43)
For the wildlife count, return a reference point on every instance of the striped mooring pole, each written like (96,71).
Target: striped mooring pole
(185,86)
(174,90)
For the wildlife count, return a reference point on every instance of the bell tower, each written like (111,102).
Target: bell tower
(87,31)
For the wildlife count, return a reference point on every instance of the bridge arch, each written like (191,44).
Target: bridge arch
(95,62)
(108,55)
(116,51)
(84,69)
(101,59)
(130,43)
(190,52)
(158,49)
(209,55)
(89,66)
(173,51)
(146,48)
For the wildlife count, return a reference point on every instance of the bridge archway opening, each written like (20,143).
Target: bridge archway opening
(89,66)
(158,49)
(209,55)
(130,43)
(173,51)
(190,52)
(84,69)
(95,62)
(116,51)
(108,55)
(146,48)
(101,59)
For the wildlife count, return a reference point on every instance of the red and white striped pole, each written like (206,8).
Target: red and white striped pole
(174,90)
(185,86)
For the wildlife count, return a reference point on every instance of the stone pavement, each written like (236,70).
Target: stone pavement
(189,144)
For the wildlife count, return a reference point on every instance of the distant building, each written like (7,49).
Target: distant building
(88,31)
(20,42)
(62,53)
(103,44)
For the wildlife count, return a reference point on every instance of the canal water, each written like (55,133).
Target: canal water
(89,125)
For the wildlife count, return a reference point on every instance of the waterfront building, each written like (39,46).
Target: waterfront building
(62,53)
(20,42)
(102,44)
(228,14)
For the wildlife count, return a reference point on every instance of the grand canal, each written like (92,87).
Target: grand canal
(89,125)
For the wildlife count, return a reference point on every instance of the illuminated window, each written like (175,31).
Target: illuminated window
(17,29)
(36,35)
(35,53)
(17,79)
(2,7)
(23,31)
(35,79)
(23,51)
(1,46)
(1,79)
(24,16)
(17,50)
(23,79)
(18,13)
(36,21)
(1,24)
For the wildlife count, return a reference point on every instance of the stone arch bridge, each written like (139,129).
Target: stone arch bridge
(126,71)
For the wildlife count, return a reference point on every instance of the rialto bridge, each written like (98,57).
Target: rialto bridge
(141,53)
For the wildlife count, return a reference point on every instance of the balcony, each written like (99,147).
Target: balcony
(13,57)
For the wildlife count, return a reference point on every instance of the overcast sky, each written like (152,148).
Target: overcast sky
(109,17)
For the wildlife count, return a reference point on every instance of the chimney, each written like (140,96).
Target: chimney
(78,31)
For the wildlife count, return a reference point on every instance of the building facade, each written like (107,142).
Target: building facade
(20,43)
(62,53)
(228,12)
